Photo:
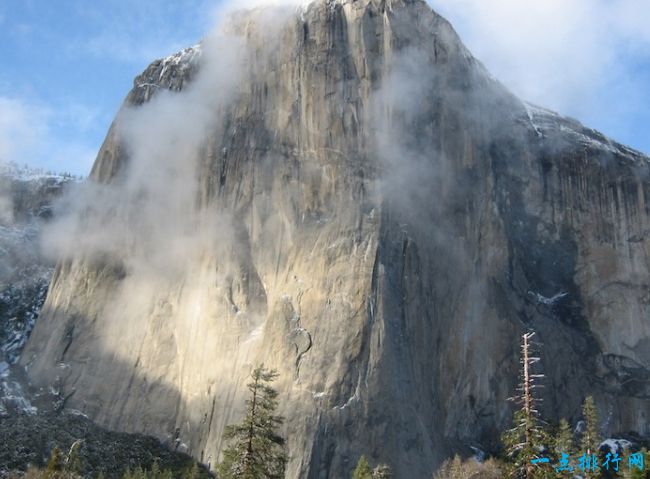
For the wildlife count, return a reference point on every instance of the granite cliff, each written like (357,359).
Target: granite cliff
(344,193)
(27,204)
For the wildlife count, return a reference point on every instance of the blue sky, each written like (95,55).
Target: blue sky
(67,64)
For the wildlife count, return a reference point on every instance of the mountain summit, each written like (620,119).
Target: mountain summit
(343,193)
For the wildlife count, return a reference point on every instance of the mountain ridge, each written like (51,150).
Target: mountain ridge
(370,213)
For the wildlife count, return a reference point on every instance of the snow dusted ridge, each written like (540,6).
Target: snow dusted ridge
(181,61)
(547,123)
(169,73)
(26,197)
(184,57)
(12,395)
(12,171)
(168,70)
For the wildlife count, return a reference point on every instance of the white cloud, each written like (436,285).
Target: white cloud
(23,129)
(575,57)
(42,136)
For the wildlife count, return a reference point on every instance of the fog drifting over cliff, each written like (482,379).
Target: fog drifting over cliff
(147,217)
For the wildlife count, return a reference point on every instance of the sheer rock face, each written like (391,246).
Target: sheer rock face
(398,219)
(27,199)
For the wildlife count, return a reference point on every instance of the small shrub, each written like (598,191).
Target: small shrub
(456,468)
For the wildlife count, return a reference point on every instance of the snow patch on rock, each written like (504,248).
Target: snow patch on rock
(548,301)
(615,445)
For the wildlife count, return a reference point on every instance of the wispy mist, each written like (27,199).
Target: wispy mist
(23,129)
(147,218)
(585,58)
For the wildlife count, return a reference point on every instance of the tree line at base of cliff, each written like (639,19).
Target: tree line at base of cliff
(531,448)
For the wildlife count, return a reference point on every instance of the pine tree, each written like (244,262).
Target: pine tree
(55,463)
(256,450)
(193,472)
(154,473)
(590,438)
(456,468)
(138,473)
(166,474)
(362,471)
(637,472)
(563,444)
(526,439)
(450,469)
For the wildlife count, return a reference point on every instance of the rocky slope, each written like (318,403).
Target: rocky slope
(27,199)
(27,440)
(33,420)
(360,205)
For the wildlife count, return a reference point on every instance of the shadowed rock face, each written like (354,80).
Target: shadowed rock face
(27,199)
(396,219)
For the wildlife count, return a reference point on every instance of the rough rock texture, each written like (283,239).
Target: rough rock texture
(27,200)
(26,203)
(398,219)
(27,440)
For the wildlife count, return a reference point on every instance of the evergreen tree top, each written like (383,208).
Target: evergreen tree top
(256,449)
(362,471)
